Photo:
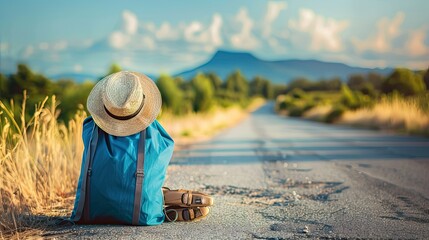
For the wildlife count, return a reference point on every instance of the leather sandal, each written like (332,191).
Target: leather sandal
(173,214)
(186,198)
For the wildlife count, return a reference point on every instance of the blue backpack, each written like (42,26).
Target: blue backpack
(121,177)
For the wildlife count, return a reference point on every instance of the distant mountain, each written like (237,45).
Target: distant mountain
(224,62)
(77,77)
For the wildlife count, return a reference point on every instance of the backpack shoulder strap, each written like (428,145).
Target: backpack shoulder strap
(83,200)
(139,178)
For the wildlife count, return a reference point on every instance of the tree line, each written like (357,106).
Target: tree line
(179,95)
(204,90)
(401,80)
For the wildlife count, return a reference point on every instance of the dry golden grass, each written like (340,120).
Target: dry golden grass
(40,161)
(318,113)
(396,113)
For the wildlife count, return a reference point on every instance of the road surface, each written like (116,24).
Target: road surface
(275,177)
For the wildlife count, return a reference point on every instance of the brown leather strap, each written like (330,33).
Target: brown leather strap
(189,198)
(191,214)
(197,212)
(186,198)
(139,178)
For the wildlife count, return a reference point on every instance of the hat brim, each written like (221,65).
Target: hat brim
(112,126)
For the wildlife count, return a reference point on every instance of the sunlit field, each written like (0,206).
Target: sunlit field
(392,112)
(408,115)
(40,159)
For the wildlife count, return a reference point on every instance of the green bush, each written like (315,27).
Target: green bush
(354,99)
(336,112)
(215,80)
(348,98)
(73,96)
(297,93)
(262,87)
(332,84)
(286,103)
(426,79)
(299,109)
(3,85)
(405,82)
(368,89)
(171,94)
(236,83)
(204,93)
(309,105)
(296,111)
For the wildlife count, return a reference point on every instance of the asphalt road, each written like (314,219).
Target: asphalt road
(275,177)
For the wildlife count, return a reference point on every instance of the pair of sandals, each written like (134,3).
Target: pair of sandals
(185,205)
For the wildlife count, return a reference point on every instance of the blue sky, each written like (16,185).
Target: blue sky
(169,36)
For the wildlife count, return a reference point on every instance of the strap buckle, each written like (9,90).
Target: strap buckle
(176,214)
(140,173)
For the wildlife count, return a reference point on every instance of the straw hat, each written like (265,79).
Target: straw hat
(124,103)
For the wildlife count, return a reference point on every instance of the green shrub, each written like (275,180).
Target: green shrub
(362,100)
(426,78)
(354,99)
(262,87)
(286,103)
(297,93)
(204,93)
(171,94)
(405,82)
(368,89)
(336,112)
(237,84)
(309,105)
(348,97)
(296,111)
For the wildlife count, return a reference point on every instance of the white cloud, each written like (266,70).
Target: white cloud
(78,68)
(324,32)
(128,36)
(147,43)
(118,39)
(28,51)
(59,46)
(149,26)
(83,43)
(43,46)
(175,45)
(121,38)
(129,22)
(4,46)
(387,30)
(166,32)
(56,46)
(210,37)
(273,11)
(215,30)
(415,45)
(192,30)
(277,45)
(245,38)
